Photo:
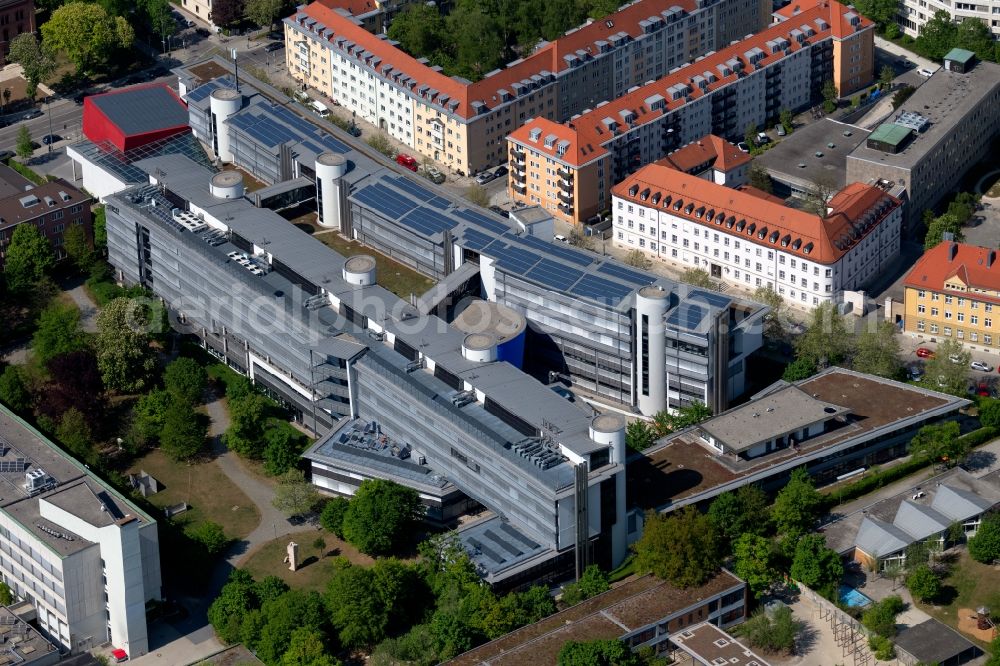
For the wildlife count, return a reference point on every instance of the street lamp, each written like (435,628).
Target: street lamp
(48,105)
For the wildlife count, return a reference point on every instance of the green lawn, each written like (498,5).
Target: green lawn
(392,275)
(314,571)
(209,493)
(969,585)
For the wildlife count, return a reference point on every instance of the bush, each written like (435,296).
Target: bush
(882,647)
(985,546)
(211,536)
(923,583)
(774,633)
(332,516)
(591,583)
(880,619)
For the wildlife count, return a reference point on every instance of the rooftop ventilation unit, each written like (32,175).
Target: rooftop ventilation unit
(37,480)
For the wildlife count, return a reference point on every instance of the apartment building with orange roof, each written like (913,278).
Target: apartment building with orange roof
(462,124)
(569,168)
(754,241)
(953,292)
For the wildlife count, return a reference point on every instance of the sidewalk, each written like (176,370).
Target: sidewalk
(890,47)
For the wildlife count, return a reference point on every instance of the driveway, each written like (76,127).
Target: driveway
(87,306)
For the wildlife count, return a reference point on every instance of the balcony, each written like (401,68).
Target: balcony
(565,208)
(519,188)
(565,174)
(517,177)
(566,197)
(517,154)
(566,185)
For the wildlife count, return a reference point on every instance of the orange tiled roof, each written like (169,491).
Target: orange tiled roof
(978,267)
(571,151)
(821,239)
(710,148)
(353,7)
(549,58)
(645,104)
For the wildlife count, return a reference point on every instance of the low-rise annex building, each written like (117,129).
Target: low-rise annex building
(751,239)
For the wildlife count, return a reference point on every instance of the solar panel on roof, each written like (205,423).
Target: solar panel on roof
(203,91)
(622,273)
(383,201)
(687,315)
(599,290)
(426,222)
(475,240)
(333,145)
(482,220)
(553,274)
(569,254)
(410,187)
(513,259)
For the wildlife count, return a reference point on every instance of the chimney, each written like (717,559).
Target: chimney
(952,251)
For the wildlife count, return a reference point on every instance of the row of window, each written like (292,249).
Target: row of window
(971,336)
(957,300)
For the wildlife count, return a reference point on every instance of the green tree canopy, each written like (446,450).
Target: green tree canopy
(940,443)
(147,419)
(268,631)
(381,516)
(797,505)
(681,548)
(945,374)
(58,332)
(263,12)
(698,278)
(826,340)
(746,510)
(771,632)
(937,227)
(73,432)
(295,496)
(26,51)
(753,561)
(989,412)
(305,648)
(247,414)
(985,545)
(880,618)
(122,343)
(24,147)
(29,258)
(923,583)
(282,446)
(799,369)
(760,178)
(13,391)
(87,34)
(228,611)
(777,318)
(598,652)
(332,516)
(419,29)
(816,566)
(78,247)
(639,435)
(211,535)
(184,431)
(591,583)
(185,380)
(877,351)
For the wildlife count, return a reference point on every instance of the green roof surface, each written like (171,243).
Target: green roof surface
(890,133)
(960,55)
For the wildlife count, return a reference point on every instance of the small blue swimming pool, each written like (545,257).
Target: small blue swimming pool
(851,598)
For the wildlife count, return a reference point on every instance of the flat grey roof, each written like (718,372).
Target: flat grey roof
(943,99)
(934,642)
(708,644)
(11,182)
(495,545)
(800,148)
(142,109)
(777,413)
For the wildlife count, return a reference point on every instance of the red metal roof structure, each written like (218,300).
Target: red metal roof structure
(134,116)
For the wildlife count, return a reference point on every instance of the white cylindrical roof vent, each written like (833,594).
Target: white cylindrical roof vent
(227,185)
(223,103)
(480,348)
(330,165)
(609,429)
(360,270)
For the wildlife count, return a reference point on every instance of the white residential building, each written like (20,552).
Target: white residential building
(751,239)
(83,555)
(914,14)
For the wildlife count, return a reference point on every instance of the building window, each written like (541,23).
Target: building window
(921,309)
(921,293)
(947,330)
(934,328)
(920,325)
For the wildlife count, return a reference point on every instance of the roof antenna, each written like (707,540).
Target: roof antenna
(236,64)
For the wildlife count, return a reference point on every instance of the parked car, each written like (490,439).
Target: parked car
(924,352)
(743,147)
(560,238)
(982,367)
(50,139)
(33,113)
(780,129)
(954,358)
(762,138)
(915,373)
(6,155)
(485,177)
(406,161)
(983,389)
(354,130)
(500,172)
(925,72)
(499,211)
(274,46)
(434,175)
(203,32)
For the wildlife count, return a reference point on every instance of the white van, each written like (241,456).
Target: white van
(320,108)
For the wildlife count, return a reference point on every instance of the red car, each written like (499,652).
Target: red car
(407,161)
(924,352)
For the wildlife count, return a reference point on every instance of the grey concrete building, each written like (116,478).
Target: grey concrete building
(953,119)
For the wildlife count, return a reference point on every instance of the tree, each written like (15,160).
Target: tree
(830,94)
(477,195)
(937,227)
(184,379)
(893,570)
(949,375)
(122,344)
(6,595)
(78,247)
(771,632)
(880,618)
(419,29)
(100,229)
(13,392)
(263,12)
(247,414)
(985,545)
(305,648)
(268,630)
(886,76)
(989,413)
(939,443)
(24,147)
(475,39)
(753,562)
(332,516)
(816,566)
(236,599)
(681,548)
(799,369)
(26,51)
(591,583)
(58,332)
(381,515)
(87,34)
(877,350)
(638,259)
(698,278)
(750,135)
(787,120)
(211,535)
(923,583)
(147,419)
(29,258)
(977,39)
(184,431)
(901,95)
(598,652)
(882,12)
(745,510)
(282,445)
(76,381)
(639,436)
(797,505)
(74,433)
(226,12)
(760,178)
(826,340)
(363,601)
(294,495)
(380,142)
